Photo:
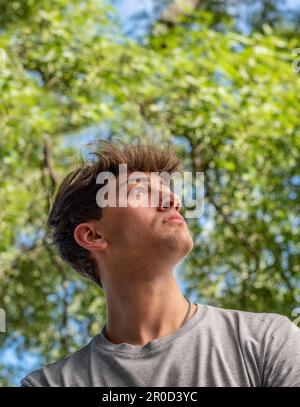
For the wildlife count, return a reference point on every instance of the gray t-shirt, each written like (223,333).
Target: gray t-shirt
(217,347)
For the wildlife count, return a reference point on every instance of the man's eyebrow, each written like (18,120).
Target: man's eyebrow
(142,179)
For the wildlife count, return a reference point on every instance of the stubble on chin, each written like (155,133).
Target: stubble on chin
(180,245)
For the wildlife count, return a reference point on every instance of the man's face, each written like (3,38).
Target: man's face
(141,232)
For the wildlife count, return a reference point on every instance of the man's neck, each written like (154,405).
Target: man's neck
(139,314)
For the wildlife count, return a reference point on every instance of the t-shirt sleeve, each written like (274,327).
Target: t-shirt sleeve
(25,383)
(34,379)
(281,360)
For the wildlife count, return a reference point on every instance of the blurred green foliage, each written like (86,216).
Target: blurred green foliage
(229,101)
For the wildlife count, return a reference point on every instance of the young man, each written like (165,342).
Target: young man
(153,337)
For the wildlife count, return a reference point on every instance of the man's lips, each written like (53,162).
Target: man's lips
(176,217)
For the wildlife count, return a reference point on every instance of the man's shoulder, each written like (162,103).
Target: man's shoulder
(234,313)
(270,342)
(246,321)
(53,374)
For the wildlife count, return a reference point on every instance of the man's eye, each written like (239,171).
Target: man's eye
(142,188)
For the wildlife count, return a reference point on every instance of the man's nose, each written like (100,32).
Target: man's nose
(169,199)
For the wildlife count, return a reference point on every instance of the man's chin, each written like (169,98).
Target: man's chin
(179,245)
(190,247)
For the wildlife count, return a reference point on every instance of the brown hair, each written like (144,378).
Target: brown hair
(75,201)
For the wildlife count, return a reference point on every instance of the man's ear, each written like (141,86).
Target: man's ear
(89,236)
